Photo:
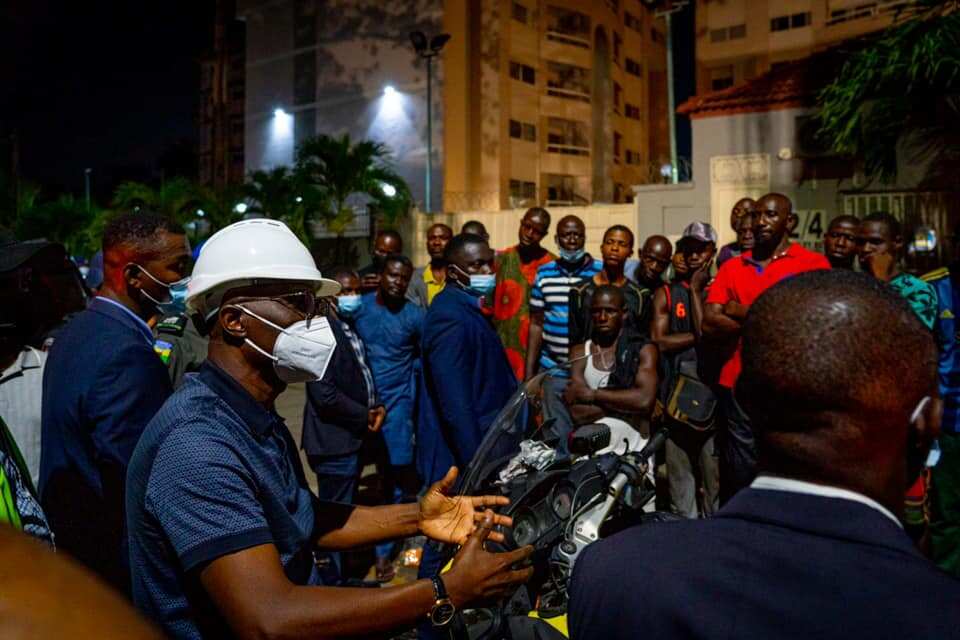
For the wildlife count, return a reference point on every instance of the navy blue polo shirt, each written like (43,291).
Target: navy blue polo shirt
(214,473)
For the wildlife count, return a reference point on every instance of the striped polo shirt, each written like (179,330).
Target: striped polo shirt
(550,294)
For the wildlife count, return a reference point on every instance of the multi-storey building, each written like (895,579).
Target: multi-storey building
(334,67)
(551,102)
(740,39)
(222,96)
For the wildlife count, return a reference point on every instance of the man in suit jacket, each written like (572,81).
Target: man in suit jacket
(467,376)
(342,407)
(102,384)
(814,548)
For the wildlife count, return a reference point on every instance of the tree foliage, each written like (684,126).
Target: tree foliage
(901,90)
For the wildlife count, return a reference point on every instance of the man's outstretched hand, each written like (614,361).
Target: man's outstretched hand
(447,518)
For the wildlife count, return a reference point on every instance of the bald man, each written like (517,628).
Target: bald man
(815,547)
(742,207)
(654,257)
(388,243)
(739,282)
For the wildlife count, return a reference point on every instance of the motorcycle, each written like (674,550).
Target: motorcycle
(562,499)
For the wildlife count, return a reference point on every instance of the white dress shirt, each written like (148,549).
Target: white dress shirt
(790,485)
(21,388)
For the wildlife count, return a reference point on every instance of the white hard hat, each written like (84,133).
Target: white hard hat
(251,252)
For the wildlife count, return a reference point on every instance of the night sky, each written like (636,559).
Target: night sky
(109,85)
(113,85)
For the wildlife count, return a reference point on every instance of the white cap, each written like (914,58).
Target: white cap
(250,252)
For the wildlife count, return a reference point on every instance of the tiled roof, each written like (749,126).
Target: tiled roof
(795,84)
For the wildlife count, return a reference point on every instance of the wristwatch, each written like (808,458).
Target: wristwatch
(443,609)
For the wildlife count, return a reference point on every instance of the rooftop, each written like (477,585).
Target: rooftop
(788,86)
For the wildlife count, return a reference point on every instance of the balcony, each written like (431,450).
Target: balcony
(568,81)
(567,137)
(568,27)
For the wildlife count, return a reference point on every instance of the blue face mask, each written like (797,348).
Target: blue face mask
(482,284)
(177,303)
(575,255)
(348,305)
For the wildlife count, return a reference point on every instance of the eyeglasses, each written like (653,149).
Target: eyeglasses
(303,302)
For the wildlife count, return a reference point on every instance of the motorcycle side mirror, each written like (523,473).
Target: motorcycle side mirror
(589,439)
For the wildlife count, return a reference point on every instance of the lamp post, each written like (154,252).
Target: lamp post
(666,9)
(428,51)
(86,186)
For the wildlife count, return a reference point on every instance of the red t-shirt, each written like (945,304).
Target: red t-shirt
(742,280)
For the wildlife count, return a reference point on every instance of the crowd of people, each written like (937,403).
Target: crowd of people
(140,435)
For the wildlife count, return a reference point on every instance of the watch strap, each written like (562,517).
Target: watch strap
(439,589)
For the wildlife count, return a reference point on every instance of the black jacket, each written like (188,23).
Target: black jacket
(335,414)
(770,564)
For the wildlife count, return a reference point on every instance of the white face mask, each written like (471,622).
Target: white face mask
(301,353)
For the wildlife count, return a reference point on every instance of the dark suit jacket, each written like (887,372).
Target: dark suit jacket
(102,384)
(335,414)
(771,564)
(467,379)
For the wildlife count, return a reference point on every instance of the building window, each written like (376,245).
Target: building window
(520,13)
(617,48)
(721,78)
(523,131)
(568,137)
(237,92)
(737,32)
(523,190)
(614,5)
(632,157)
(718,35)
(634,68)
(304,23)
(632,111)
(617,144)
(568,26)
(561,189)
(795,21)
(617,97)
(523,73)
(568,81)
(657,36)
(631,21)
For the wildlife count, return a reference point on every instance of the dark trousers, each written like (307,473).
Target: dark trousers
(945,505)
(737,449)
(337,479)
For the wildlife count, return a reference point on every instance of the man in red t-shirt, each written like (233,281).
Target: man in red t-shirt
(739,282)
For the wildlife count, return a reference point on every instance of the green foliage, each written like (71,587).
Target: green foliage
(64,220)
(341,168)
(901,88)
(178,198)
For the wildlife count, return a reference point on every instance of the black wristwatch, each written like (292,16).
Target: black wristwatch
(443,609)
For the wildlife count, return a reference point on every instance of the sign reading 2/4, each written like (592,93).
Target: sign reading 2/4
(811,225)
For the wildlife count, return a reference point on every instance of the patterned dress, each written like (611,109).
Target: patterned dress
(511,314)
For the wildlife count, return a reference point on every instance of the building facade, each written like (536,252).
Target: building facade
(737,40)
(551,102)
(340,67)
(222,97)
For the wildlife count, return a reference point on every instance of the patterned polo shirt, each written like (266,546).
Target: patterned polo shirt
(214,473)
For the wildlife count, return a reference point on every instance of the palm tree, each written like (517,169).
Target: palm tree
(284,194)
(339,169)
(177,199)
(66,220)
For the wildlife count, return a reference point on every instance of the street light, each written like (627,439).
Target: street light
(388,190)
(241,208)
(428,50)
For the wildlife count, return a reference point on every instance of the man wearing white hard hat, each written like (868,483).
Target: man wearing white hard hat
(222,526)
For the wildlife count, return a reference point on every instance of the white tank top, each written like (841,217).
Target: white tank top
(596,378)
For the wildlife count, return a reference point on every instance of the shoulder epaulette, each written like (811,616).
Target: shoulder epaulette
(173,325)
(942,272)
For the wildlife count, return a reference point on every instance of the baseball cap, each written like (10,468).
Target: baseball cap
(701,231)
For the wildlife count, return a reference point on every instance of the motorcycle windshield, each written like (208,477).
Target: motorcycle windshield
(507,431)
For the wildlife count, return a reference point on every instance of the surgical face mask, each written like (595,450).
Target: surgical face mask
(572,255)
(481,284)
(301,353)
(348,305)
(177,303)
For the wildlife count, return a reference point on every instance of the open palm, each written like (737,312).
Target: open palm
(447,518)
